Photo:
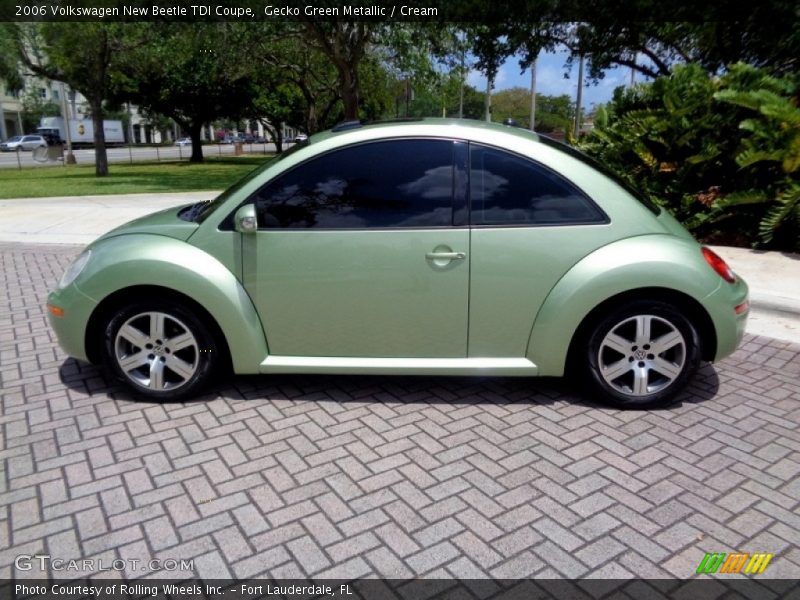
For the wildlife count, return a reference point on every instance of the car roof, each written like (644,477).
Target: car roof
(437,126)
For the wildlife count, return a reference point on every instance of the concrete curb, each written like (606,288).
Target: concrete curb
(772,303)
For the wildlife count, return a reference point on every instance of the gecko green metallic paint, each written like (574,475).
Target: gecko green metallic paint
(504,300)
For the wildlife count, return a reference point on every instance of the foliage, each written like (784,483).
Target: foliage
(677,144)
(34,107)
(9,61)
(646,35)
(191,72)
(552,112)
(772,138)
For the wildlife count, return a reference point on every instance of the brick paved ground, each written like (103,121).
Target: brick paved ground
(380,476)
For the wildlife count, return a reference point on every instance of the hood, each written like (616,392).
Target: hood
(164,222)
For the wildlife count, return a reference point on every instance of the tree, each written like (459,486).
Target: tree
(83,55)
(552,112)
(648,36)
(344,44)
(296,83)
(34,107)
(193,73)
(9,58)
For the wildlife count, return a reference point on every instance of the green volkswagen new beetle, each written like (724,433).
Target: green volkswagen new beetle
(432,247)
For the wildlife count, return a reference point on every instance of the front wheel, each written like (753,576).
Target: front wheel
(641,355)
(161,349)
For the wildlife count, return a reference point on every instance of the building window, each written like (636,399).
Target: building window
(55,95)
(43,93)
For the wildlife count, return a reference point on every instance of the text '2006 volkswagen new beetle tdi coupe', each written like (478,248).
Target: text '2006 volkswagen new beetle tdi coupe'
(432,247)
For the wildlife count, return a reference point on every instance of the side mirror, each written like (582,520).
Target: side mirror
(245,219)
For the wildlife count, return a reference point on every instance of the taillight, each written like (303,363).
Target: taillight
(719,265)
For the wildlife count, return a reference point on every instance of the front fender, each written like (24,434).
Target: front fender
(648,261)
(141,259)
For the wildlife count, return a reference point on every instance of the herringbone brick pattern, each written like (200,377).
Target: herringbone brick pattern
(381,476)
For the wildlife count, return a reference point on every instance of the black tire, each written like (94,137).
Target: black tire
(656,371)
(186,349)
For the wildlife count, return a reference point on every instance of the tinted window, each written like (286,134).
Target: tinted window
(506,189)
(398,183)
(597,165)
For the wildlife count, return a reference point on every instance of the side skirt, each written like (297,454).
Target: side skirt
(333,365)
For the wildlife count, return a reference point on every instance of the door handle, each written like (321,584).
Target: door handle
(446,255)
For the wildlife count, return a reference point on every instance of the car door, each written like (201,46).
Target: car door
(357,254)
(530,225)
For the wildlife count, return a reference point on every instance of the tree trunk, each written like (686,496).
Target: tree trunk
(197,145)
(349,91)
(276,133)
(100,156)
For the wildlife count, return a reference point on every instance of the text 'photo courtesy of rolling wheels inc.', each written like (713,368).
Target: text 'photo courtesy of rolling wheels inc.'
(377,300)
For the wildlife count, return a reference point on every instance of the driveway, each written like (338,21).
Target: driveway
(387,476)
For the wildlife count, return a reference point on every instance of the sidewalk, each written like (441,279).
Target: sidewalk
(80,219)
(773,277)
(774,280)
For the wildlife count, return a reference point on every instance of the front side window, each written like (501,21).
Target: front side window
(387,184)
(506,189)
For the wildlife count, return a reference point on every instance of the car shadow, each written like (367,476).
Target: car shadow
(91,380)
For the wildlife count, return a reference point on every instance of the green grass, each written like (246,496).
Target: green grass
(216,173)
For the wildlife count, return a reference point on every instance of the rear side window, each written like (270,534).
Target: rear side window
(506,189)
(387,184)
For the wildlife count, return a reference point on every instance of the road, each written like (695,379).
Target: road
(134,153)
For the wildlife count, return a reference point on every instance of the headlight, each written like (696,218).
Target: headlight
(74,269)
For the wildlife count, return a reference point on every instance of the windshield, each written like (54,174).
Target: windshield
(223,197)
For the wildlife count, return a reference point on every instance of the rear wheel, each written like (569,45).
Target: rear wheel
(641,355)
(161,349)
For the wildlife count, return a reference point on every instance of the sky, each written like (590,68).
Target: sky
(550,79)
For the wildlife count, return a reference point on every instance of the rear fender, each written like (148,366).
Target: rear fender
(648,261)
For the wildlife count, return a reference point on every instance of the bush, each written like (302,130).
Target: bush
(692,143)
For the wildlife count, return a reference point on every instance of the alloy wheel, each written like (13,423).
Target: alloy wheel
(156,351)
(642,355)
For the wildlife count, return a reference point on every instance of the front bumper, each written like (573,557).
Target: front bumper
(71,328)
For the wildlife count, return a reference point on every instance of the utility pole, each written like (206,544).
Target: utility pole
(533,95)
(579,98)
(488,100)
(69,157)
(461,92)
(3,132)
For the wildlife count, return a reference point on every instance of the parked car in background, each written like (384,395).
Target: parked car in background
(435,247)
(301,137)
(23,142)
(11,143)
(185,141)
